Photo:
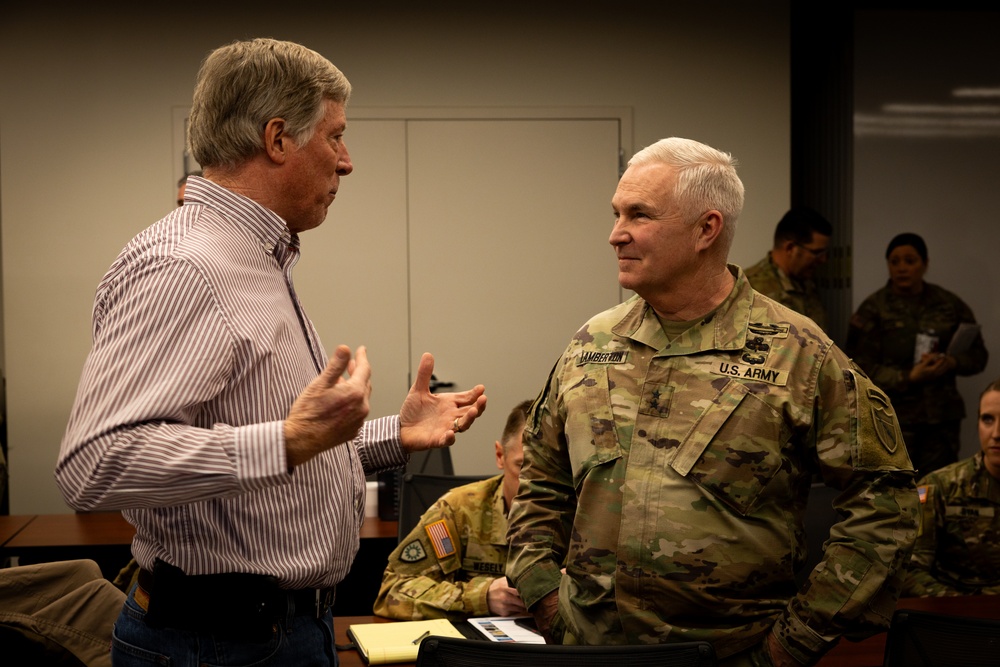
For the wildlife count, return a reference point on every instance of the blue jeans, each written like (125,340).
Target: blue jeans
(295,641)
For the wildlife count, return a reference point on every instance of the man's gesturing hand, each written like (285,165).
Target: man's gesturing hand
(332,409)
(429,420)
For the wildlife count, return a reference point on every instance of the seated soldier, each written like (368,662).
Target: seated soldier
(422,582)
(957,551)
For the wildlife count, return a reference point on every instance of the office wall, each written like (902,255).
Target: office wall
(88,93)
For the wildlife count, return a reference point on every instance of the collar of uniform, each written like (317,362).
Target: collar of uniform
(788,284)
(262,222)
(724,329)
(498,527)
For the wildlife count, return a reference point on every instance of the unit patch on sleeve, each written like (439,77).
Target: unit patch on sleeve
(413,552)
(441,539)
(884,420)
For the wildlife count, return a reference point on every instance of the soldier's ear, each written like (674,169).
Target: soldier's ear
(709,226)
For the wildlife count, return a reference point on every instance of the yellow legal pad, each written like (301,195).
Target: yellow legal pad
(380,643)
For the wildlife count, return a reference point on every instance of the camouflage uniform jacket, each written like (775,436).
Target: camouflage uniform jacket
(881,340)
(957,551)
(800,296)
(672,477)
(422,581)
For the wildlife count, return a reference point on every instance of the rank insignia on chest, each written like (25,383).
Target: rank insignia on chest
(441,539)
(413,552)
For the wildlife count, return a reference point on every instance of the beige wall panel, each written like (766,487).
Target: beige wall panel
(509,222)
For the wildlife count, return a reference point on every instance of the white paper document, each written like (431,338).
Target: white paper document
(506,629)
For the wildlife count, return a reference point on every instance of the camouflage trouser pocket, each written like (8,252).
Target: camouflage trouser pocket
(558,632)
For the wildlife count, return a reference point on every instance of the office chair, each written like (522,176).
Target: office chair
(928,639)
(452,652)
(819,518)
(417,492)
(428,462)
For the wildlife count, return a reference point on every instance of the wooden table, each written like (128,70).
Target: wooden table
(106,538)
(867,653)
(11,525)
(73,530)
(31,531)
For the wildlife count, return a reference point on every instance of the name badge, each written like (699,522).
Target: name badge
(750,372)
(594,357)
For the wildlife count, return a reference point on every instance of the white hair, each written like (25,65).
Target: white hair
(706,179)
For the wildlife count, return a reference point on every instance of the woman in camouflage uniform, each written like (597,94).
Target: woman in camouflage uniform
(956,549)
(900,336)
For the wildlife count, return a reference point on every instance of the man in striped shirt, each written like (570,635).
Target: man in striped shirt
(207,409)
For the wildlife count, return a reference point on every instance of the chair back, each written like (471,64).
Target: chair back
(435,461)
(930,639)
(417,492)
(819,518)
(452,652)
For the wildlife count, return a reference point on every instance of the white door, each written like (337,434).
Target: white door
(483,241)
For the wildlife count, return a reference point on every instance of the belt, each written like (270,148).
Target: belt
(174,599)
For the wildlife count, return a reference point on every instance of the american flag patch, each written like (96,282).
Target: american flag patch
(922,494)
(441,539)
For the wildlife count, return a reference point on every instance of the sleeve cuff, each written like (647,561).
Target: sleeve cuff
(475,594)
(261,459)
(800,641)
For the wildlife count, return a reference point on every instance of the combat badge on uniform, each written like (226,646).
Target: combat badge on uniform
(413,552)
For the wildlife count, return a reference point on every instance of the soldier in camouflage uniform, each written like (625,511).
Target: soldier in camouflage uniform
(787,273)
(461,575)
(957,551)
(669,457)
(883,337)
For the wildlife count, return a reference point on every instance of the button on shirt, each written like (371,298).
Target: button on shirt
(200,347)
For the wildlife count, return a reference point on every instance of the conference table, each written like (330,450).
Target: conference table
(867,653)
(106,538)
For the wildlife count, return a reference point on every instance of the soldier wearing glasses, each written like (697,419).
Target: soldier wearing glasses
(801,241)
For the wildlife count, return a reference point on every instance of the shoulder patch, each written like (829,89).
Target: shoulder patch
(413,552)
(884,419)
(441,539)
(879,441)
(922,494)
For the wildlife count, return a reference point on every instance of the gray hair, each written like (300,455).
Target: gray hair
(243,85)
(706,180)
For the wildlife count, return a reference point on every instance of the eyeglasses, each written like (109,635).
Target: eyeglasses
(815,252)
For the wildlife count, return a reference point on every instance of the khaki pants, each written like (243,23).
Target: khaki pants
(62,607)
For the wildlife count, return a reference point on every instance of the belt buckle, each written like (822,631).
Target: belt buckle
(324,600)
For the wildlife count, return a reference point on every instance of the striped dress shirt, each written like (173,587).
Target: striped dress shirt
(200,346)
